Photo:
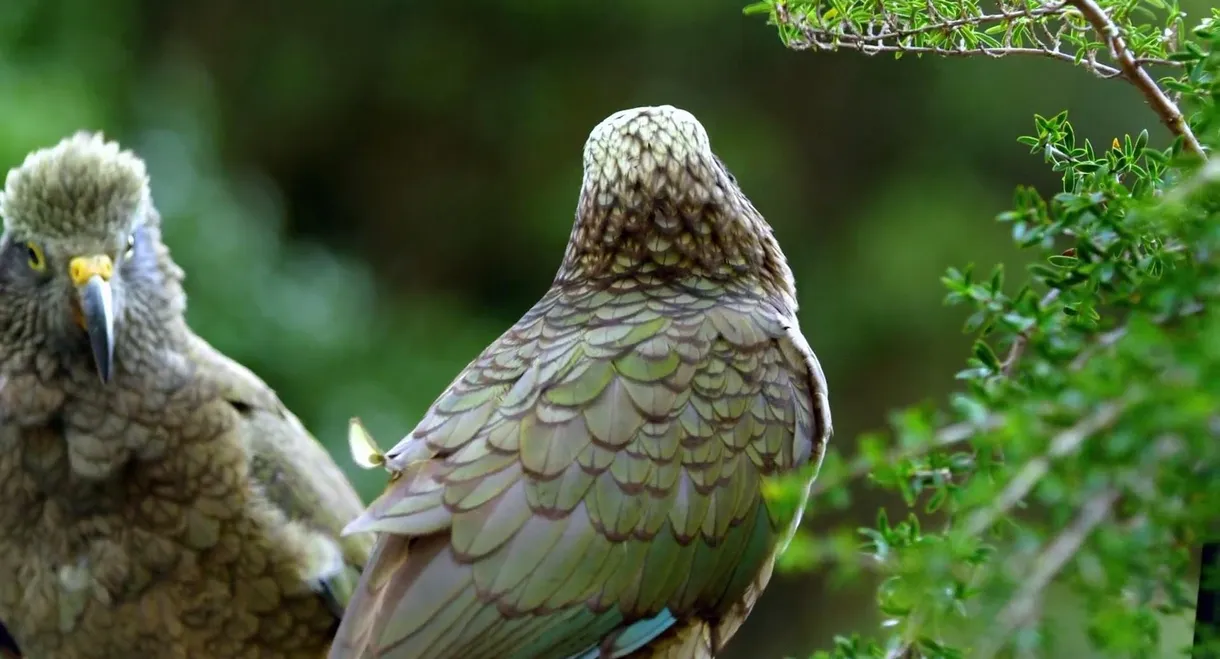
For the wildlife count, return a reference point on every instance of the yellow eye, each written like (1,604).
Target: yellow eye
(37,260)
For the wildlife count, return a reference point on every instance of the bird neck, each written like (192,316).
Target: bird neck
(667,241)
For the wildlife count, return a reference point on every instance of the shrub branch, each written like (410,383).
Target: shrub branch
(1065,443)
(1023,606)
(1137,75)
(1056,29)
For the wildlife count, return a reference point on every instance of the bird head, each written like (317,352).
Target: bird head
(78,249)
(656,201)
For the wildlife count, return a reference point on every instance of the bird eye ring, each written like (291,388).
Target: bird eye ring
(37,260)
(131,246)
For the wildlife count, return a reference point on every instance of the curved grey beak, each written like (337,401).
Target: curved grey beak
(97,310)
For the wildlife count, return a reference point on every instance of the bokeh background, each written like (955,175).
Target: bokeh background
(365,193)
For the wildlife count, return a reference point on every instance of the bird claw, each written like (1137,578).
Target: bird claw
(324,561)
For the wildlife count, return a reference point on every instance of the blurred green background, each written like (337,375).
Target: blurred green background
(365,194)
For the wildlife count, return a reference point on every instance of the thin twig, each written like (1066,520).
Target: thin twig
(1104,341)
(1063,444)
(947,436)
(1169,113)
(1048,564)
(889,35)
(1009,365)
(868,49)
(1015,352)
(900,651)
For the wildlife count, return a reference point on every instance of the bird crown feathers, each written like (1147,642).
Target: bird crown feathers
(637,145)
(82,185)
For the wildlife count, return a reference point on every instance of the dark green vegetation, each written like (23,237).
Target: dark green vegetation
(1080,454)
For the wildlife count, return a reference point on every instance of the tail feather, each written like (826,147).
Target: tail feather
(353,639)
(691,641)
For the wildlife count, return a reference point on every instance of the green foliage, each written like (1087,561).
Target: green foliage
(1077,453)
(1059,30)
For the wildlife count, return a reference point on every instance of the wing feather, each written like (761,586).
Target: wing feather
(583,479)
(295,472)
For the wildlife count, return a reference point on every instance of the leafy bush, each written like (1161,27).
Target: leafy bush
(1081,450)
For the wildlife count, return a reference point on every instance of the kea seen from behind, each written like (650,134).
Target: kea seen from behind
(590,486)
(156,498)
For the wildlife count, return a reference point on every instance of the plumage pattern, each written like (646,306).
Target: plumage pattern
(590,486)
(177,510)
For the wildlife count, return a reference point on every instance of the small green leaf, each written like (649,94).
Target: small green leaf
(984,354)
(764,7)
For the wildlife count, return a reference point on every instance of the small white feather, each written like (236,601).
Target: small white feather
(365,451)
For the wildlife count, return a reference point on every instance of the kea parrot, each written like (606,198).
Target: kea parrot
(157,499)
(591,485)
